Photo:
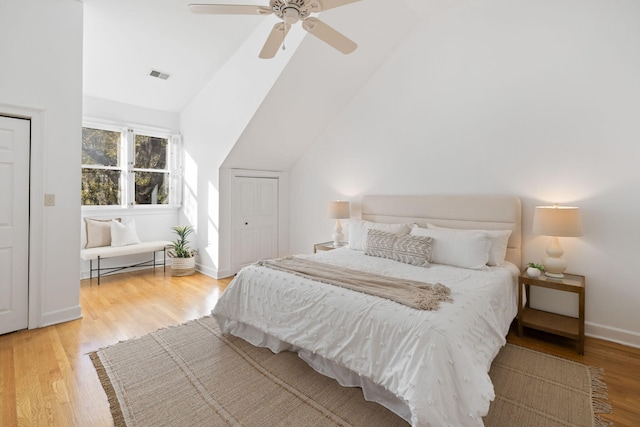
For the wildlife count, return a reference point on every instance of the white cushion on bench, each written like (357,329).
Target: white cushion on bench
(111,251)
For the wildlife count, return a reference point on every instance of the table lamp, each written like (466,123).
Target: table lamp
(556,221)
(338,210)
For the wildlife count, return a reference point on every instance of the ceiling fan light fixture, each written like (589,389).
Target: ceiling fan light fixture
(291,15)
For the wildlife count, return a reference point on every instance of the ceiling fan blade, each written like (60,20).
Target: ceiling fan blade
(329,35)
(274,41)
(330,4)
(229,9)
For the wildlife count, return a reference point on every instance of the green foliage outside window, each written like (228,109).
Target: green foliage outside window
(100,187)
(151,187)
(103,169)
(101,148)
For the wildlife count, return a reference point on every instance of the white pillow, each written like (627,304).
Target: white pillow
(460,248)
(123,234)
(499,240)
(358,229)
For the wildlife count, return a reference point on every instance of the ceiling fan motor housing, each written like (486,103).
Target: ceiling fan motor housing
(292,11)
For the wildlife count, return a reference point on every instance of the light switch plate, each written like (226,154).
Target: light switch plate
(49,199)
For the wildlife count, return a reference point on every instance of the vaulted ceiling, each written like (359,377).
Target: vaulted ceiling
(125,40)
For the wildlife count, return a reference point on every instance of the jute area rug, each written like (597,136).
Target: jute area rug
(192,375)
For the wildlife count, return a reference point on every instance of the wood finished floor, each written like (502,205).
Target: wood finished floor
(47,379)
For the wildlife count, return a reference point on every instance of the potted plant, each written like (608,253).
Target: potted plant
(534,270)
(183,261)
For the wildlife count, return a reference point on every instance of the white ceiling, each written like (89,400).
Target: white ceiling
(125,39)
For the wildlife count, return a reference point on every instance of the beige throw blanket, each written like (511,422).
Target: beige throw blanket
(418,295)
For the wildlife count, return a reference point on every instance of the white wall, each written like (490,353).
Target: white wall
(117,112)
(310,92)
(152,223)
(211,124)
(534,99)
(41,77)
(317,84)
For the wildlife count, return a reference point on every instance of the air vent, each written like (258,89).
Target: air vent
(159,74)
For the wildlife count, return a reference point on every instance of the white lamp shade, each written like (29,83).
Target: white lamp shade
(338,210)
(560,221)
(556,221)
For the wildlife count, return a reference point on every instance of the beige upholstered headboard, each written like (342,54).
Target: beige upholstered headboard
(469,212)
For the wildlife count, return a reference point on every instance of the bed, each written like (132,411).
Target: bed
(428,366)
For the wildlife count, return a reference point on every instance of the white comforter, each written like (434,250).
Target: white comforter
(435,362)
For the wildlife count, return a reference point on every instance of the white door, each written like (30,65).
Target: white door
(254,219)
(14,223)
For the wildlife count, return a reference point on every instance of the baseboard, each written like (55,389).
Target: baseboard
(211,272)
(608,333)
(222,274)
(61,316)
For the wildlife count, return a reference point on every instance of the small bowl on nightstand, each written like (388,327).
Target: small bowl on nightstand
(533,272)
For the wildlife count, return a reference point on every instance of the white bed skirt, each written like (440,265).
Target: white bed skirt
(345,377)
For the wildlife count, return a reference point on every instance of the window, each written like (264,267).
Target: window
(150,170)
(127,167)
(101,167)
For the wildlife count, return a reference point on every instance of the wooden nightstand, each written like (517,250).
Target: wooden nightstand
(326,246)
(558,324)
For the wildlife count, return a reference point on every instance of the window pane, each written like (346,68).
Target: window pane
(152,188)
(100,187)
(100,147)
(151,152)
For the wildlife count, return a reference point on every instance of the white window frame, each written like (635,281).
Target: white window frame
(127,156)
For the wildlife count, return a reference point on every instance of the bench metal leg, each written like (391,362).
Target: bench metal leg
(154,262)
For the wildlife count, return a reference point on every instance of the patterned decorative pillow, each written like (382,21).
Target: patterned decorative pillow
(414,250)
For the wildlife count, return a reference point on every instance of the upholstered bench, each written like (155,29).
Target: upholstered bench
(102,252)
(109,238)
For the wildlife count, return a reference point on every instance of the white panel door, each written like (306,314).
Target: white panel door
(254,219)
(14,223)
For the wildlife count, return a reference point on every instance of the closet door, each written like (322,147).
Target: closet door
(254,219)
(14,223)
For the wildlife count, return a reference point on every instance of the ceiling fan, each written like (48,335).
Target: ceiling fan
(290,11)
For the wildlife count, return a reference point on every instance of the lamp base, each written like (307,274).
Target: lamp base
(554,275)
(554,265)
(337,236)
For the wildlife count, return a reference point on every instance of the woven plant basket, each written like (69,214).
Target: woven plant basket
(183,266)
